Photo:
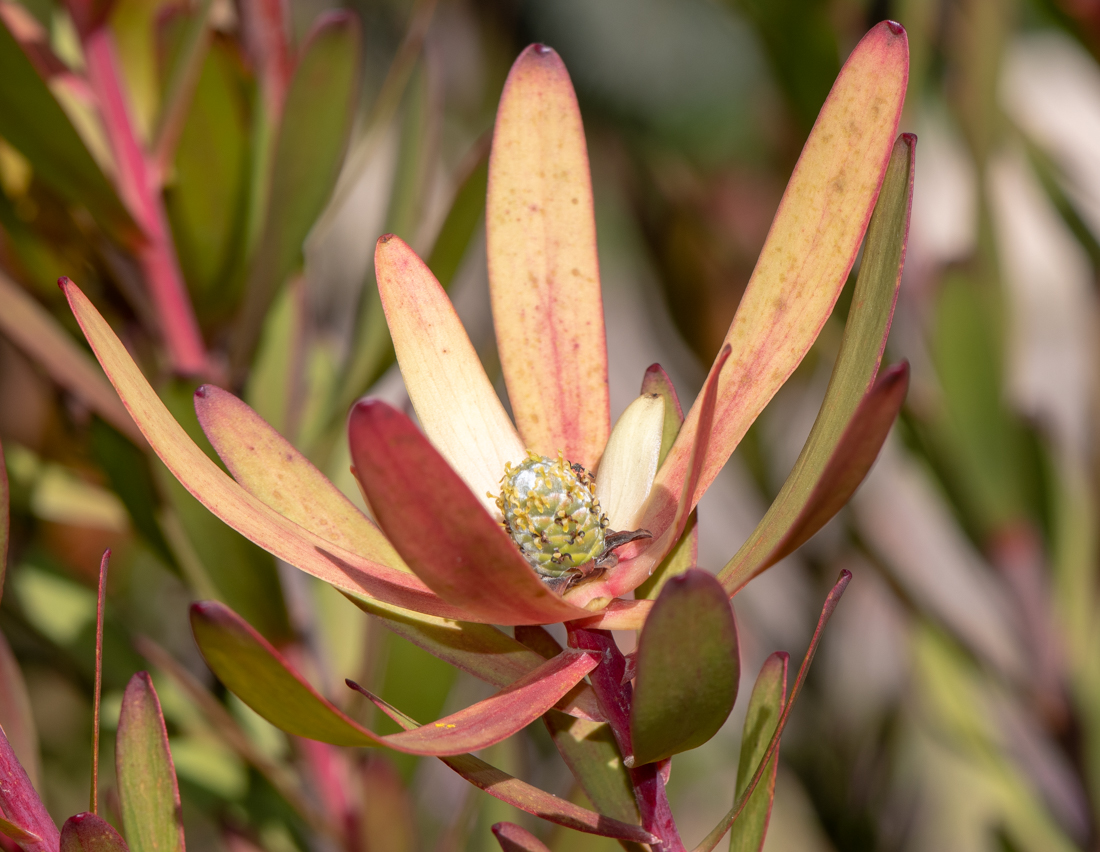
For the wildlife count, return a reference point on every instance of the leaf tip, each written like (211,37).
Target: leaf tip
(896,28)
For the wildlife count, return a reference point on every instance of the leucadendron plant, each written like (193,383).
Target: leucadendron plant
(486,530)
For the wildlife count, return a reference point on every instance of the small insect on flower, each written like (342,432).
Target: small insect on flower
(551,512)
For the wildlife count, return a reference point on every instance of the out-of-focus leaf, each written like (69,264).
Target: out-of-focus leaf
(467,559)
(739,806)
(387,811)
(544,278)
(32,121)
(181,80)
(30,327)
(805,261)
(127,469)
(512,838)
(461,223)
(483,650)
(270,468)
(89,833)
(149,797)
(801,44)
(769,695)
(207,200)
(856,414)
(20,802)
(257,674)
(309,148)
(688,668)
(15,709)
(226,499)
(656,381)
(420,127)
(503,786)
(981,440)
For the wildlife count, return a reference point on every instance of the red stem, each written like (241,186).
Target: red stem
(615,696)
(140,191)
(100,601)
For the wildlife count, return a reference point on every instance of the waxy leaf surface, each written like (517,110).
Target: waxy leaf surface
(440,528)
(452,396)
(149,797)
(20,802)
(271,468)
(544,277)
(483,650)
(309,149)
(856,413)
(805,261)
(503,786)
(765,706)
(34,123)
(688,667)
(257,674)
(89,833)
(229,501)
(512,838)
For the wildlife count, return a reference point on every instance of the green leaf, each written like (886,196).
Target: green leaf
(149,797)
(89,833)
(309,149)
(683,556)
(461,223)
(765,706)
(206,202)
(688,666)
(33,122)
(259,675)
(853,376)
(656,381)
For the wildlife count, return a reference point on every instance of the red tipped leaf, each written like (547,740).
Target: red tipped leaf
(512,838)
(89,833)
(439,527)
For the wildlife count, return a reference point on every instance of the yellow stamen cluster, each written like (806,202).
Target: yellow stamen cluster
(551,512)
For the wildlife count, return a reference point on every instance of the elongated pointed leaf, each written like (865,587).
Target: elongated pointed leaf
(20,802)
(31,327)
(440,528)
(630,461)
(656,381)
(89,833)
(270,468)
(226,499)
(259,675)
(544,277)
(512,838)
(309,148)
(688,668)
(149,796)
(503,786)
(745,796)
(765,706)
(805,261)
(33,122)
(483,650)
(453,398)
(856,413)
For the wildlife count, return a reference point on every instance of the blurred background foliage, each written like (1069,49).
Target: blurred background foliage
(956,703)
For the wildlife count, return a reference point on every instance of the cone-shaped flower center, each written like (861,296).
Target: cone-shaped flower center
(552,514)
